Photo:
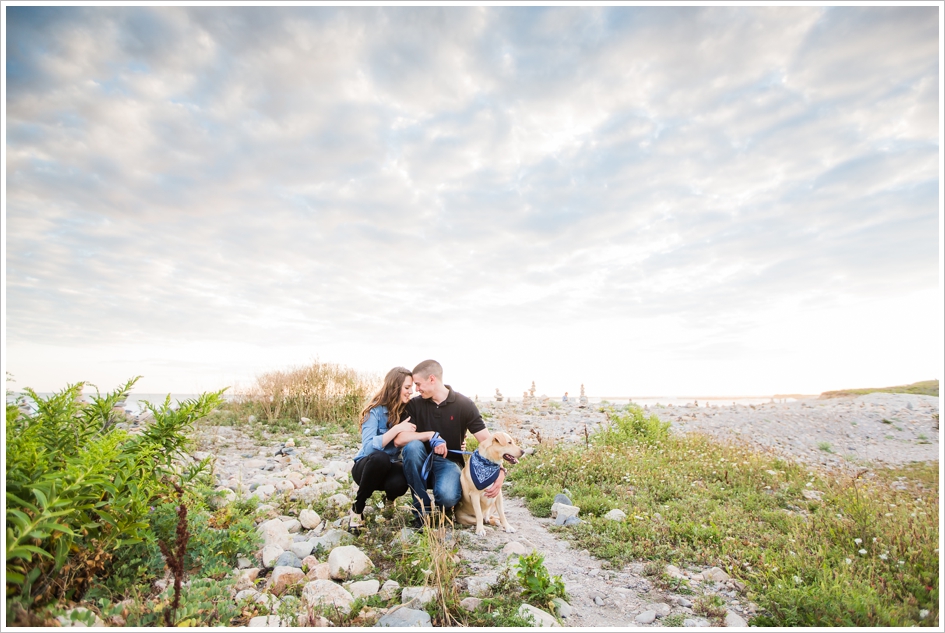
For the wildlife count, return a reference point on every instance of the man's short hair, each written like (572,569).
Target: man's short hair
(428,367)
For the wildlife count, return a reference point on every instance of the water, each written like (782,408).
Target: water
(678,401)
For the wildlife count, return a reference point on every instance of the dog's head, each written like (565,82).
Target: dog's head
(501,446)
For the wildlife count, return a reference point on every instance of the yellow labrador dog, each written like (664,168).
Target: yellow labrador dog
(480,471)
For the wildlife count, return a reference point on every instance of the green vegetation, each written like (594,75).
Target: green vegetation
(861,553)
(88,504)
(924,388)
(540,588)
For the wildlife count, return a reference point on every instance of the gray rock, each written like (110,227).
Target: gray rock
(470,603)
(418,596)
(405,617)
(266,622)
(562,499)
(302,548)
(616,515)
(288,559)
(389,589)
(479,585)
(541,618)
(562,608)
(568,522)
(684,602)
(646,617)
(734,620)
(697,622)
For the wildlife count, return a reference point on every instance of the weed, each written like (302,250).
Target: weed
(540,588)
(825,447)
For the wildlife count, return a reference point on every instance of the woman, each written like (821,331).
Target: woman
(378,465)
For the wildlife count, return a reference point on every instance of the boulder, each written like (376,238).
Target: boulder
(389,589)
(288,559)
(470,603)
(330,539)
(266,622)
(283,577)
(292,525)
(270,553)
(417,597)
(734,620)
(541,618)
(319,572)
(560,509)
(514,548)
(646,617)
(346,561)
(479,585)
(247,578)
(275,532)
(405,617)
(616,515)
(364,588)
(319,593)
(562,609)
(302,548)
(309,519)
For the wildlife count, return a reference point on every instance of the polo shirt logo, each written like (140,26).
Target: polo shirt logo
(451,418)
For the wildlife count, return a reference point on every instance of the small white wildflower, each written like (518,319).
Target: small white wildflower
(849,561)
(889,514)
(875,539)
(902,562)
(923,613)
(883,557)
(857,540)
(862,552)
(798,580)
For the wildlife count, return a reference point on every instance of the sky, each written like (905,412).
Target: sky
(648,201)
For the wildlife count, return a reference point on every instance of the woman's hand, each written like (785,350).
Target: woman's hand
(406,425)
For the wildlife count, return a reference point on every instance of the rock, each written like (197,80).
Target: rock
(320,571)
(270,553)
(346,561)
(417,596)
(247,578)
(289,443)
(697,622)
(308,562)
(734,620)
(283,577)
(405,617)
(646,617)
(243,563)
(292,525)
(479,585)
(560,509)
(470,603)
(716,574)
(598,601)
(541,618)
(813,495)
(569,521)
(616,515)
(245,594)
(674,572)
(309,519)
(330,539)
(364,588)
(389,589)
(302,548)
(684,602)
(263,492)
(562,608)
(275,532)
(318,593)
(288,559)
(661,608)
(339,500)
(563,500)
(514,548)
(267,622)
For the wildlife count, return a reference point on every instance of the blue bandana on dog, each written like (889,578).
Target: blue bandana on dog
(483,472)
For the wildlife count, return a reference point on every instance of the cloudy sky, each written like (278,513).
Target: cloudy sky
(650,201)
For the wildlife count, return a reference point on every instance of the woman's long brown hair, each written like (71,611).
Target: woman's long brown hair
(388,396)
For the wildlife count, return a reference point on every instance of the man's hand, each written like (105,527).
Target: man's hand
(440,449)
(495,488)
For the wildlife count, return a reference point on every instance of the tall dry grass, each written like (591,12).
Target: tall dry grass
(323,392)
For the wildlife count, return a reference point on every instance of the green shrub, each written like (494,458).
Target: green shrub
(79,488)
(539,587)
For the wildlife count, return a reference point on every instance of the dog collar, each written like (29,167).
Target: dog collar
(483,472)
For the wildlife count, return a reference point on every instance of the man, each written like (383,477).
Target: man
(442,411)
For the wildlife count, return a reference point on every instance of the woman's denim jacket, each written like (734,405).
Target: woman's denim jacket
(375,425)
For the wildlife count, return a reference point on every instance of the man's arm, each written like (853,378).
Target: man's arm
(404,438)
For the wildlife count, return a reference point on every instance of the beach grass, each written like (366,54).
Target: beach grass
(813,548)
(922,388)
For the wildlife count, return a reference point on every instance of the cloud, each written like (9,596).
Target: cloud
(299,175)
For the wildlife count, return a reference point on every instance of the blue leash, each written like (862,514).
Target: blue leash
(483,472)
(435,441)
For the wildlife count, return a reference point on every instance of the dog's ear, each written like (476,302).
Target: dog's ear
(501,438)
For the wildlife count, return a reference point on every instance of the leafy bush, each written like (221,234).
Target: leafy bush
(79,488)
(632,425)
(539,586)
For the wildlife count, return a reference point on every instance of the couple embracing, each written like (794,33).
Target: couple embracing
(417,443)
